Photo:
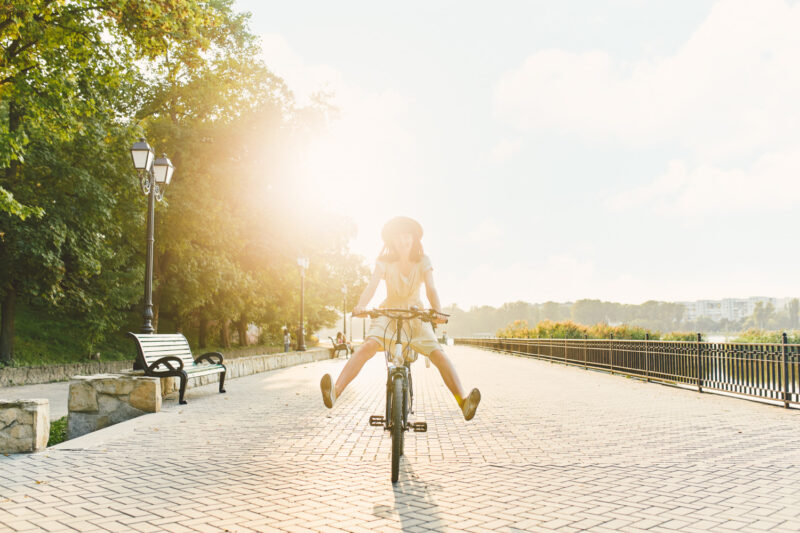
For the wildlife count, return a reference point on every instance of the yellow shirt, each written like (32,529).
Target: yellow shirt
(403,292)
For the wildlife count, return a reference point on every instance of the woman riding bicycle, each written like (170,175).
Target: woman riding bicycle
(404,268)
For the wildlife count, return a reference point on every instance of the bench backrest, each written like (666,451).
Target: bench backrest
(153,347)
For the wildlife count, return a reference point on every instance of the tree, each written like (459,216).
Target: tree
(761,315)
(64,64)
(588,312)
(794,309)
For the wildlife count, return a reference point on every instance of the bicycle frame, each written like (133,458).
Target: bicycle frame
(399,388)
(394,371)
(398,372)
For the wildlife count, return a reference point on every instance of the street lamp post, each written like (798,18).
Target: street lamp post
(302,262)
(154,176)
(344,311)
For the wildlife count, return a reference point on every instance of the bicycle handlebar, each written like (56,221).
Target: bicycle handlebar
(426,315)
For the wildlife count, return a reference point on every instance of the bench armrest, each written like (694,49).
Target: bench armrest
(210,356)
(167,361)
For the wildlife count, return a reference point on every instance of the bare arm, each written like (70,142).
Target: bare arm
(369,291)
(431,292)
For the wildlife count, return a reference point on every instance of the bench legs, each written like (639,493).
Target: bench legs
(184,379)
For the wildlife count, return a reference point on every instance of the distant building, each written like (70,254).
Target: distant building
(729,308)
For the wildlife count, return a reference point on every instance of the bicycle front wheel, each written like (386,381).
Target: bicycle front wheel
(397,426)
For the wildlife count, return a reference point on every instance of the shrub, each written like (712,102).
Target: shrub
(760,335)
(680,336)
(58,431)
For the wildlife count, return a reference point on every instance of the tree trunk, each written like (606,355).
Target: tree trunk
(224,334)
(7,327)
(241,327)
(7,305)
(202,331)
(14,121)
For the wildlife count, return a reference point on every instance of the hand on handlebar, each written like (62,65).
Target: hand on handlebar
(440,318)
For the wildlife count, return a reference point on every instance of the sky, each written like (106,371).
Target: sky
(623,150)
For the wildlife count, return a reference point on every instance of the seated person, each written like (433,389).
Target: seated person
(341,339)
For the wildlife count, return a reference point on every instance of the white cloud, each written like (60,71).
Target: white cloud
(730,90)
(773,182)
(506,148)
(728,96)
(304,79)
(558,277)
(566,277)
(489,232)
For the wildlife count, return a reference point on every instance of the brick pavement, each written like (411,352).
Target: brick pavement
(551,449)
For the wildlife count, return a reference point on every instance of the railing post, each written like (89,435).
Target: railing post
(565,350)
(699,365)
(647,356)
(611,352)
(584,350)
(785,357)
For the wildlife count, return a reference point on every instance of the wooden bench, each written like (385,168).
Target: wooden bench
(169,355)
(339,347)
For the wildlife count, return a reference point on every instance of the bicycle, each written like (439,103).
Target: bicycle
(399,386)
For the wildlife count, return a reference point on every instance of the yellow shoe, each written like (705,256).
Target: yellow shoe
(470,404)
(328,391)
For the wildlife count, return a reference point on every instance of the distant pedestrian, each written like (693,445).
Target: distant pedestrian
(287,340)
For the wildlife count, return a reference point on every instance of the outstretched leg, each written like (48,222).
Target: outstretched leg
(351,369)
(449,375)
(353,366)
(467,402)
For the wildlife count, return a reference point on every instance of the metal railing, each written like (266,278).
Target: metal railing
(762,371)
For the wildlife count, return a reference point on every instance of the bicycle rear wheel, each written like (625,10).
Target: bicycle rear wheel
(397,426)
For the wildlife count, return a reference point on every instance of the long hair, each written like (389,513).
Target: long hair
(387,255)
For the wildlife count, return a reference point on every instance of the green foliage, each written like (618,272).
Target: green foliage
(679,336)
(760,335)
(9,205)
(45,335)
(58,431)
(79,80)
(570,330)
(65,60)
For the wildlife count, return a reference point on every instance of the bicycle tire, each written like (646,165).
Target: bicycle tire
(397,426)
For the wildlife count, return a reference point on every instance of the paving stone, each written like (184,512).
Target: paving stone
(552,448)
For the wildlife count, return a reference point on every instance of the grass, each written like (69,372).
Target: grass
(58,431)
(42,338)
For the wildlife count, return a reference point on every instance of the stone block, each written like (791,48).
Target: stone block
(9,415)
(82,396)
(146,395)
(21,431)
(105,399)
(116,385)
(25,425)
(107,403)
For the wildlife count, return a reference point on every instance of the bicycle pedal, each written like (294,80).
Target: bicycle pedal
(419,427)
(376,420)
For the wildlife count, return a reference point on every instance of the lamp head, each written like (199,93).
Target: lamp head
(163,169)
(142,155)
